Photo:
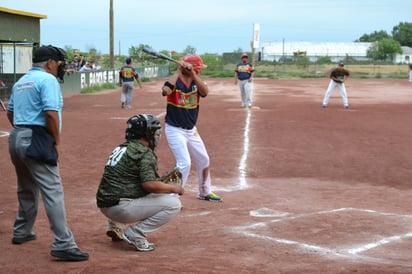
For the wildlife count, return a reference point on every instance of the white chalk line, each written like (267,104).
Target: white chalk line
(4,133)
(348,253)
(158,116)
(243,159)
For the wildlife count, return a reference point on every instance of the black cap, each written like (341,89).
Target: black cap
(341,64)
(45,53)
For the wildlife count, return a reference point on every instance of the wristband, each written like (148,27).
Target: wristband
(169,85)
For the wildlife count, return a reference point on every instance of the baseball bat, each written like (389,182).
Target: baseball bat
(162,56)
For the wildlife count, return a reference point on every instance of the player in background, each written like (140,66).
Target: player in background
(338,76)
(128,75)
(183,92)
(244,72)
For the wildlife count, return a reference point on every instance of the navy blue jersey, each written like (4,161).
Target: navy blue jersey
(183,105)
(244,71)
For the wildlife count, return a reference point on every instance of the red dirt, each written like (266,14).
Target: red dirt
(335,184)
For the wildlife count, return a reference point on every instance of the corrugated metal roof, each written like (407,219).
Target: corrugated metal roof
(406,50)
(23,13)
(316,48)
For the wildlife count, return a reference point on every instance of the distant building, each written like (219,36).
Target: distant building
(405,57)
(277,51)
(20,33)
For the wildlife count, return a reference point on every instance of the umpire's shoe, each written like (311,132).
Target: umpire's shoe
(73,255)
(22,240)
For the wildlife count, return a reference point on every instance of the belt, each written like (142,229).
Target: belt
(187,128)
(28,126)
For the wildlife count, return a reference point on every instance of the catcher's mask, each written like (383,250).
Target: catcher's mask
(144,126)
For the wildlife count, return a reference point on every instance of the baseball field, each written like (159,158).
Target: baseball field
(305,189)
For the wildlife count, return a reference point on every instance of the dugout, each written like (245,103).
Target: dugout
(20,33)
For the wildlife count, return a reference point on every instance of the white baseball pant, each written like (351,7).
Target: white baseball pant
(246,89)
(342,90)
(184,145)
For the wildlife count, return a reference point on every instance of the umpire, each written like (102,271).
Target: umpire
(34,111)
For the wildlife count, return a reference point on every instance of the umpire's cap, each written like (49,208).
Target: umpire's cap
(45,53)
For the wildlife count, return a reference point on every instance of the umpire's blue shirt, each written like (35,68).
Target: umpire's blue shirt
(34,93)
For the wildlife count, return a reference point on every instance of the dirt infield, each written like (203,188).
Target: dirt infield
(306,189)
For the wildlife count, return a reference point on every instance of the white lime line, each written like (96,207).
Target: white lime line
(243,160)
(381,242)
(4,133)
(340,252)
(158,116)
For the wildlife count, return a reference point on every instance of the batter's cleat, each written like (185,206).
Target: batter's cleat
(346,107)
(122,105)
(141,244)
(243,105)
(324,106)
(72,255)
(115,233)
(211,197)
(249,105)
(22,240)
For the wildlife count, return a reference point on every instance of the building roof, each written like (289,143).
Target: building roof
(316,48)
(23,13)
(406,50)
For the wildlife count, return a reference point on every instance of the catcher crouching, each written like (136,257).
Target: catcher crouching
(131,194)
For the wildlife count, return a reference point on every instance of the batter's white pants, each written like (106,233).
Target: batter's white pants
(342,90)
(246,89)
(410,76)
(184,145)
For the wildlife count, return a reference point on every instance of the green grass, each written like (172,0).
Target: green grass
(297,71)
(94,89)
(108,86)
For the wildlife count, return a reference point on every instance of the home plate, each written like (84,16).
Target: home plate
(267,212)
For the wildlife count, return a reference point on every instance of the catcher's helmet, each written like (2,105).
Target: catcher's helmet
(143,126)
(195,60)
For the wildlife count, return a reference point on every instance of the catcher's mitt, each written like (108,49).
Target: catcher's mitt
(173,177)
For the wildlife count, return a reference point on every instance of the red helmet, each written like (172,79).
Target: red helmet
(195,61)
(244,55)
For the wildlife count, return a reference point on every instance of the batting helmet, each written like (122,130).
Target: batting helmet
(144,126)
(195,60)
(244,55)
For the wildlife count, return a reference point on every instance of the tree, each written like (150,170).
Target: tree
(137,53)
(69,52)
(374,37)
(384,49)
(403,33)
(189,50)
(238,50)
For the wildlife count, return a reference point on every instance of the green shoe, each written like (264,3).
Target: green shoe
(211,197)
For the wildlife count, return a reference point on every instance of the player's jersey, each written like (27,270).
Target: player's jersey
(129,165)
(339,74)
(128,74)
(244,71)
(183,105)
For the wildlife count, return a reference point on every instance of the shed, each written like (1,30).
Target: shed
(20,32)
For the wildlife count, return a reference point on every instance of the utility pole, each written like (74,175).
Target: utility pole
(111,36)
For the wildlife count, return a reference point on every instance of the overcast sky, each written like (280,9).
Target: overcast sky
(210,26)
